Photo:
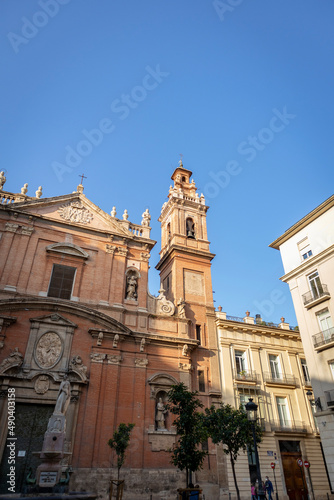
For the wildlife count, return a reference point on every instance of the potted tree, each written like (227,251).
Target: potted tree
(119,442)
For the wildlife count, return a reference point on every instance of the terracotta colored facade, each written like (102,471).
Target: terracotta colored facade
(120,347)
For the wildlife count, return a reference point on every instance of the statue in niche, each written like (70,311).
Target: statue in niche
(63,399)
(160,413)
(131,288)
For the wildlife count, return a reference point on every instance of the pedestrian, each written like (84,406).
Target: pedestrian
(269,487)
(253,491)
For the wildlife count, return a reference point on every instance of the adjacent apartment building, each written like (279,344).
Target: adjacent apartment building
(266,362)
(307,251)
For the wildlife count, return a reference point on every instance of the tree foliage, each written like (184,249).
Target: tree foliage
(190,428)
(119,442)
(230,426)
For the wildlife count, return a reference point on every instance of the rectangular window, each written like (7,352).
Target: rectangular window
(331,367)
(275,366)
(305,371)
(61,282)
(198,333)
(304,249)
(315,285)
(283,411)
(240,361)
(201,381)
(326,324)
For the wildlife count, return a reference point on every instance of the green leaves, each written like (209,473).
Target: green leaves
(120,441)
(231,427)
(190,428)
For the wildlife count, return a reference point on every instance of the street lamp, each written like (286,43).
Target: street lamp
(251,409)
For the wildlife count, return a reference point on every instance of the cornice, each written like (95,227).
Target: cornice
(317,212)
(185,250)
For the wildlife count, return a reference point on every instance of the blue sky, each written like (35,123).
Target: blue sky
(243,89)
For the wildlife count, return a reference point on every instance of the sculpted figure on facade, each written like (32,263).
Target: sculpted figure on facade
(160,413)
(63,399)
(142,345)
(185,350)
(146,217)
(15,359)
(76,365)
(48,350)
(2,180)
(131,288)
(116,339)
(181,308)
(99,338)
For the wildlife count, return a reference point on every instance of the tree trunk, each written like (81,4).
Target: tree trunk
(234,477)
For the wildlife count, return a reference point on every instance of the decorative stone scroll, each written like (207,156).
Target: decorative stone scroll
(76,365)
(27,230)
(141,363)
(110,248)
(187,367)
(75,212)
(12,228)
(114,359)
(15,359)
(164,306)
(97,357)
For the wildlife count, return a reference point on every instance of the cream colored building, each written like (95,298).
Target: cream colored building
(307,251)
(267,363)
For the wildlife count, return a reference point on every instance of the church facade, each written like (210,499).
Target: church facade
(75,312)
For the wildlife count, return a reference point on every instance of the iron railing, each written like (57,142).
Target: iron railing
(279,378)
(246,375)
(330,398)
(288,426)
(315,294)
(323,338)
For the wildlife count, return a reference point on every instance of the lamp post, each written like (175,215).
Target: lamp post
(251,409)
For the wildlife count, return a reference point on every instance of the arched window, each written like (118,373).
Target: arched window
(190,228)
(183,179)
(168,232)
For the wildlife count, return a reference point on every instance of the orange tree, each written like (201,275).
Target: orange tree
(190,428)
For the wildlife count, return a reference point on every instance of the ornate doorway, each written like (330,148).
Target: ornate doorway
(30,425)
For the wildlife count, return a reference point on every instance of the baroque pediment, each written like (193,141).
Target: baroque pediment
(73,209)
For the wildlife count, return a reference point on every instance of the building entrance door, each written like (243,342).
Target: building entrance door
(294,481)
(30,425)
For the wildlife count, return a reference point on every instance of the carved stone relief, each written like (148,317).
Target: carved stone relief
(164,306)
(114,359)
(42,384)
(75,212)
(15,359)
(97,357)
(76,365)
(141,363)
(48,350)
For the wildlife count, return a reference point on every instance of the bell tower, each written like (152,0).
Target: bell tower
(185,274)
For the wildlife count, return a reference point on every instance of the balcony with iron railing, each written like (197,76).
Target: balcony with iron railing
(323,339)
(279,379)
(329,395)
(288,426)
(245,376)
(316,295)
